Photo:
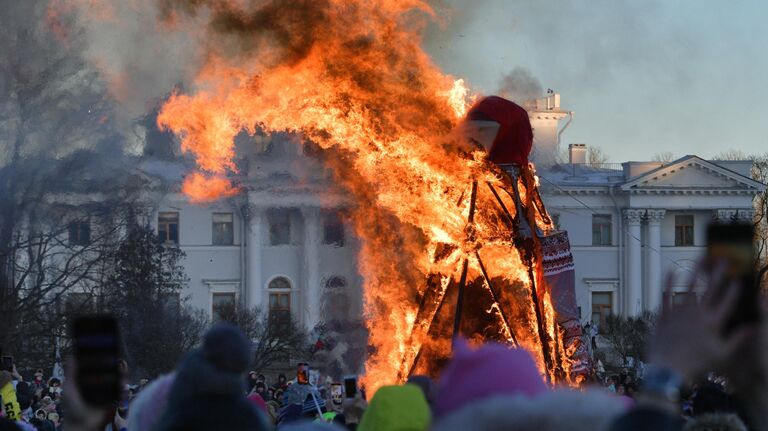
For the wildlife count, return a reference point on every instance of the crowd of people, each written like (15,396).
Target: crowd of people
(704,373)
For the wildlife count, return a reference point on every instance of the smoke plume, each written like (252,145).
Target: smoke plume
(520,85)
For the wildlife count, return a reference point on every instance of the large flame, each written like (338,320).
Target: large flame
(351,76)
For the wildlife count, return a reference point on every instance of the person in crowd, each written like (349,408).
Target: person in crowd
(494,387)
(38,382)
(259,402)
(716,422)
(273,409)
(427,386)
(261,389)
(251,381)
(148,406)
(282,382)
(691,341)
(8,395)
(397,408)
(208,388)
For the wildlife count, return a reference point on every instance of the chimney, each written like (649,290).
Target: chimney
(577,154)
(545,114)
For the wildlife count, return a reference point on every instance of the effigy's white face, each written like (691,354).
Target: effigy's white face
(481,132)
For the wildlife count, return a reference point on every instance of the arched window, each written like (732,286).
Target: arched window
(279,283)
(280,303)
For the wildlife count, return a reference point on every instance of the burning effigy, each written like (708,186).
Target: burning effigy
(453,236)
(536,310)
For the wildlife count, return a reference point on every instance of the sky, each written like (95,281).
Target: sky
(642,76)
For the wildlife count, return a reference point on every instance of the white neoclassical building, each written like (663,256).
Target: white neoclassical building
(630,224)
(283,247)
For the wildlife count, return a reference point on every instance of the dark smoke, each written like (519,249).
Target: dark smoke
(288,28)
(520,85)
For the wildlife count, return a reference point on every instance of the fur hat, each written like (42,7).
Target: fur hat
(556,410)
(150,403)
(715,422)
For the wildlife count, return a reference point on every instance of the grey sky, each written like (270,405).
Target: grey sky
(643,76)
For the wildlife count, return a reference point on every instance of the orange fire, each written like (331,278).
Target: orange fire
(202,188)
(352,77)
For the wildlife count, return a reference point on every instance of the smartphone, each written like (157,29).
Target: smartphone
(733,244)
(350,386)
(337,393)
(6,363)
(302,374)
(97,345)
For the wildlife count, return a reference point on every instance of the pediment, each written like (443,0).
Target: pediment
(692,173)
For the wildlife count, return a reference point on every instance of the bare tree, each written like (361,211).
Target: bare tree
(663,157)
(760,203)
(596,156)
(628,336)
(276,338)
(63,183)
(145,292)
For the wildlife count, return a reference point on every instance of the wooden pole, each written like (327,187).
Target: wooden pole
(465,265)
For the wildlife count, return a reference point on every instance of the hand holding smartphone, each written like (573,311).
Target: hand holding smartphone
(97,370)
(350,386)
(302,373)
(732,245)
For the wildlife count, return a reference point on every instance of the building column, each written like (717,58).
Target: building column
(311,288)
(633,285)
(255,275)
(654,284)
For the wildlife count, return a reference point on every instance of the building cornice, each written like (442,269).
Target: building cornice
(641,182)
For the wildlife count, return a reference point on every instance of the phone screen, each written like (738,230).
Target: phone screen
(302,374)
(733,244)
(350,386)
(97,344)
(337,393)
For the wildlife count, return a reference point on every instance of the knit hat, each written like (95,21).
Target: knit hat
(150,403)
(560,409)
(208,389)
(514,140)
(227,348)
(491,370)
(397,408)
(258,401)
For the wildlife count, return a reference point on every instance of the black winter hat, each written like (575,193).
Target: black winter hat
(227,348)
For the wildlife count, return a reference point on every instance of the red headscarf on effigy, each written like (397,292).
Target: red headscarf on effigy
(514,139)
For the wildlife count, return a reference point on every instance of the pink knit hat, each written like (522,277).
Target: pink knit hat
(493,369)
(258,401)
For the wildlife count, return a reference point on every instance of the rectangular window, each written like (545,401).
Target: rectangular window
(280,311)
(333,229)
(279,226)
(223,229)
(683,230)
(168,227)
(601,229)
(602,307)
(79,232)
(221,304)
